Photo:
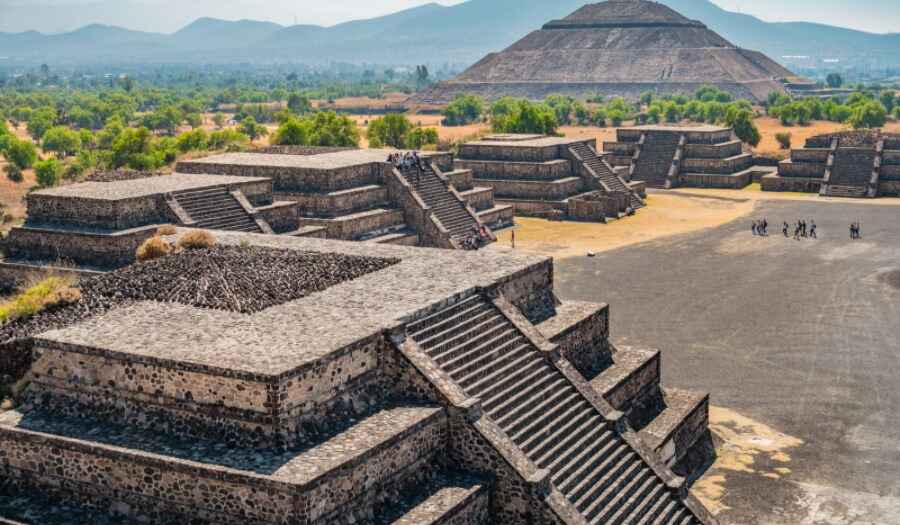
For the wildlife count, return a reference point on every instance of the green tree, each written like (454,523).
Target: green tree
(227,139)
(165,120)
(252,129)
(62,141)
(48,173)
(868,115)
(421,137)
(292,132)
(389,130)
(134,148)
(888,100)
(327,128)
(463,109)
(194,140)
(194,120)
(219,120)
(41,121)
(299,104)
(21,153)
(741,120)
(834,80)
(523,116)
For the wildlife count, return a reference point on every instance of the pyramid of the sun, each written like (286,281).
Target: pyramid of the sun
(617,48)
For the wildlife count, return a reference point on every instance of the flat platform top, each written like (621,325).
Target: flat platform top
(129,189)
(281,339)
(324,161)
(679,129)
(526,142)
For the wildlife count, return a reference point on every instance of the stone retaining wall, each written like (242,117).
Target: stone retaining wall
(534,171)
(701,180)
(714,151)
(810,155)
(523,189)
(788,168)
(281,216)
(335,204)
(90,249)
(96,213)
(717,166)
(795,184)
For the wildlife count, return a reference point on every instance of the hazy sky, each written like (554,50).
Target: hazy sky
(59,15)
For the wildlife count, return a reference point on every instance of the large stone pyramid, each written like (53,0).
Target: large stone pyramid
(617,48)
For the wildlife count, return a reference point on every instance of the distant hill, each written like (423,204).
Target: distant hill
(431,33)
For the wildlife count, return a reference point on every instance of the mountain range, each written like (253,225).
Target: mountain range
(429,34)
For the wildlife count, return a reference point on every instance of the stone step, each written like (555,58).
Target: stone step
(575,410)
(515,383)
(516,412)
(456,338)
(574,451)
(500,338)
(445,500)
(488,362)
(654,511)
(199,480)
(599,484)
(594,469)
(646,503)
(405,237)
(550,448)
(481,387)
(626,506)
(447,322)
(417,327)
(534,428)
(613,498)
(568,476)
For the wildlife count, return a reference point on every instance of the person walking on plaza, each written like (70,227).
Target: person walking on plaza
(784,230)
(812,230)
(754,228)
(765,228)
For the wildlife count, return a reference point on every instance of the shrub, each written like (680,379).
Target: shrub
(167,229)
(464,109)
(390,130)
(48,173)
(21,153)
(784,140)
(14,173)
(154,248)
(48,293)
(197,240)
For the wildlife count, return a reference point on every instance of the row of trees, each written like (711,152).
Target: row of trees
(866,109)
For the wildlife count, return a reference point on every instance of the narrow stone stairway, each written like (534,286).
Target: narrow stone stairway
(216,209)
(605,172)
(655,160)
(546,416)
(437,195)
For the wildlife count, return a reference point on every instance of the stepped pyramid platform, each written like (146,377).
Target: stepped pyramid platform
(356,195)
(861,164)
(97,226)
(620,48)
(550,177)
(682,156)
(420,386)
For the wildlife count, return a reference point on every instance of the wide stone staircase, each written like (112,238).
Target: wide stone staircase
(437,195)
(547,417)
(605,173)
(654,159)
(850,173)
(216,209)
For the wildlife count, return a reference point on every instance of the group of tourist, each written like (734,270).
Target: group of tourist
(406,161)
(802,229)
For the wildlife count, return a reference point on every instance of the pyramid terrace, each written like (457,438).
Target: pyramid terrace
(417,386)
(859,164)
(550,176)
(683,156)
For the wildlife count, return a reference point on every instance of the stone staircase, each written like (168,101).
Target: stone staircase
(547,417)
(605,173)
(654,159)
(216,209)
(851,172)
(448,498)
(437,195)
